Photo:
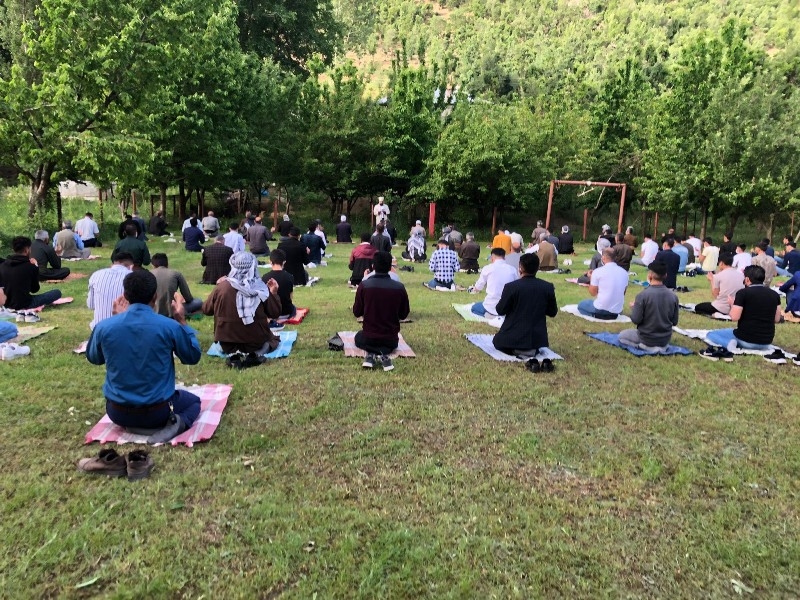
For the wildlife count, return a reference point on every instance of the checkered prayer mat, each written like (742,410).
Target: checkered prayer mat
(213,397)
(350,349)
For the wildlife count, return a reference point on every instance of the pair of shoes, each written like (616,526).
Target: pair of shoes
(796,360)
(312,281)
(28,317)
(716,353)
(371,359)
(137,464)
(9,351)
(777,357)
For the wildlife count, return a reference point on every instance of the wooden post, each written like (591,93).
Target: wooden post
(133,200)
(685,224)
(585,222)
(431,219)
(791,232)
(275,214)
(621,208)
(549,204)
(494,222)
(100,202)
(655,225)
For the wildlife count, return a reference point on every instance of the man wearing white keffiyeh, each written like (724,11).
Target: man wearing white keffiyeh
(242,306)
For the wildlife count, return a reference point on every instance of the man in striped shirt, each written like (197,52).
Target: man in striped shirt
(105,286)
(444,265)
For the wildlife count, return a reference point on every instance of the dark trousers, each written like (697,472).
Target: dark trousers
(375,345)
(92,243)
(184,404)
(44,299)
(47,274)
(705,308)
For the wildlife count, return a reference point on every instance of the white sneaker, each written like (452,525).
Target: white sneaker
(7,314)
(21,316)
(10,351)
(32,317)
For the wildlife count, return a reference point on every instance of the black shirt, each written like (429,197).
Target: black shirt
(285,287)
(757,323)
(673,262)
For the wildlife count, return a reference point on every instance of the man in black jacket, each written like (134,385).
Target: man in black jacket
(525,303)
(49,262)
(19,276)
(296,256)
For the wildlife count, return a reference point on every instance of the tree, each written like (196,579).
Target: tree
(83,79)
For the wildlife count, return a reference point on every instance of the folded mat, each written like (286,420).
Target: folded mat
(70,277)
(690,308)
(573,310)
(575,281)
(467,314)
(700,334)
(484,342)
(28,333)
(283,350)
(613,340)
(213,399)
(350,349)
(297,319)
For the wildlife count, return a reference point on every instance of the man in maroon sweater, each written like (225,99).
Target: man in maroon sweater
(383,303)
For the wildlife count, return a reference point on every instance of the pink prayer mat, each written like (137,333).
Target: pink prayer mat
(350,349)
(297,319)
(70,277)
(213,398)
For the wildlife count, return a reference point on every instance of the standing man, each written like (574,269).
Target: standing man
(216,259)
(140,370)
(233,239)
(46,258)
(88,230)
(296,256)
(344,231)
(383,303)
(211,225)
(671,260)
(607,285)
(526,303)
(444,266)
(105,286)
(257,236)
(170,281)
(19,276)
(493,279)
(654,312)
(381,211)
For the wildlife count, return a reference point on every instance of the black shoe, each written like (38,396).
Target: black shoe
(533,365)
(548,366)
(234,361)
(252,360)
(776,358)
(369,361)
(710,353)
(386,362)
(725,354)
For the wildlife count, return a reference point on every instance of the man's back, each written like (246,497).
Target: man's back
(344,232)
(381,242)
(444,264)
(383,303)
(105,286)
(234,241)
(137,248)
(296,257)
(526,303)
(20,278)
(45,255)
(494,277)
(194,239)
(169,282)
(649,251)
(285,283)
(65,239)
(757,323)
(655,312)
(611,281)
(216,259)
(257,236)
(673,262)
(728,282)
(768,264)
(623,254)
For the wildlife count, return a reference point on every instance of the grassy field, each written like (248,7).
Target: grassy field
(452,476)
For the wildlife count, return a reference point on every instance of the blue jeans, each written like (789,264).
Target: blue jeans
(721,337)
(44,299)
(783,272)
(586,307)
(192,307)
(478,309)
(8,331)
(434,282)
(184,404)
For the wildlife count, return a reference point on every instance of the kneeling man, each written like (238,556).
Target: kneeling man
(655,313)
(140,372)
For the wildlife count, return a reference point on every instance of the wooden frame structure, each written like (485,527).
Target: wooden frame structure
(620,187)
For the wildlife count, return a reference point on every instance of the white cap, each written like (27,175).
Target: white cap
(419,222)
(343,218)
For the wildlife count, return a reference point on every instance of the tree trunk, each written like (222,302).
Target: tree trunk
(40,185)
(703,220)
(162,189)
(771,226)
(59,209)
(182,200)
(732,223)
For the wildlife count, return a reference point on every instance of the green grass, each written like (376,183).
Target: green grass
(452,476)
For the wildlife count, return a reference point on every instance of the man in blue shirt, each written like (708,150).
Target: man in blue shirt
(140,372)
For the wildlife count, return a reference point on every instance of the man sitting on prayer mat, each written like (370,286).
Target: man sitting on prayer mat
(137,346)
(607,284)
(383,303)
(242,306)
(525,303)
(654,312)
(724,285)
(493,279)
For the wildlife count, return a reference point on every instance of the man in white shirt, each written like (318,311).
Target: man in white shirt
(493,279)
(696,243)
(381,211)
(607,285)
(648,251)
(742,259)
(105,286)
(188,222)
(88,230)
(234,239)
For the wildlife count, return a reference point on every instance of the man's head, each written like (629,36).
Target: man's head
(791,246)
(312,227)
(516,241)
(91,216)
(159,213)
(160,260)
(761,247)
(380,199)
(754,275)
(565,229)
(498,254)
(277,258)
(528,264)
(443,243)
(725,261)
(620,238)
(123,258)
(233,226)
(193,222)
(419,223)
(727,236)
(286,217)
(21,245)
(470,237)
(67,224)
(708,241)
(41,235)
(740,248)
(365,237)
(669,243)
(648,235)
(130,230)
(606,229)
(220,239)
(380,228)
(608,255)
(787,239)
(211,213)
(629,230)
(657,271)
(342,218)
(294,232)
(139,287)
(540,223)
(258,219)
(382,262)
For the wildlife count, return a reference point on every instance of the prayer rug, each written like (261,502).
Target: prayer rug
(297,319)
(351,350)
(70,277)
(575,281)
(288,338)
(716,316)
(28,333)
(700,334)
(573,310)
(66,300)
(613,340)
(484,342)
(90,257)
(467,314)
(213,399)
